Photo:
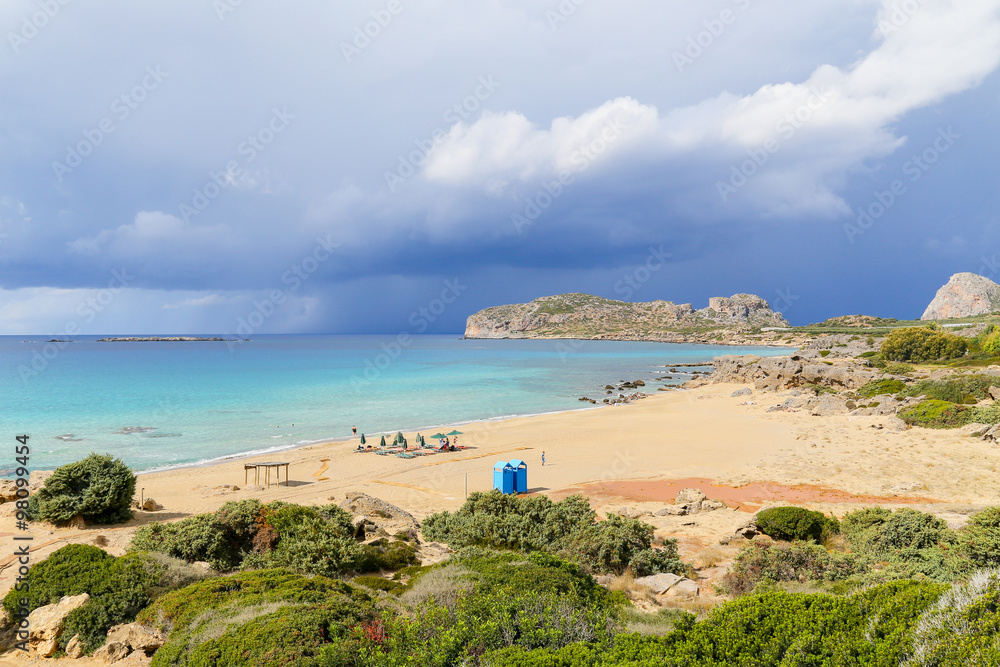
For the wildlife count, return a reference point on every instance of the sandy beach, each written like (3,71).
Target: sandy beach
(636,455)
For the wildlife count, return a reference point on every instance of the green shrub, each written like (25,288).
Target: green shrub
(119,588)
(100,488)
(795,523)
(247,533)
(267,617)
(653,561)
(535,602)
(760,562)
(880,387)
(382,555)
(935,414)
(909,542)
(918,344)
(990,341)
(536,523)
(879,532)
(870,628)
(956,389)
(980,538)
(961,628)
(898,368)
(197,538)
(314,546)
(824,353)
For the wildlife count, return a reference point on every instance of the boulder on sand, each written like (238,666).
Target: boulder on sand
(45,624)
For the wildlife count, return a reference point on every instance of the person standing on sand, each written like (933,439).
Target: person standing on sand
(354,430)
(543,457)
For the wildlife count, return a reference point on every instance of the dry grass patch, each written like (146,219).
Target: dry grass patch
(626,584)
(712,556)
(445,584)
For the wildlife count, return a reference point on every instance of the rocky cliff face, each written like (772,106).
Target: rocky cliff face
(586,316)
(965,295)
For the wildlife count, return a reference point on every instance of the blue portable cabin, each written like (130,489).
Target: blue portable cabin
(520,475)
(503,477)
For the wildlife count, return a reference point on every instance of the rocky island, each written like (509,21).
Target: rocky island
(726,319)
(164,339)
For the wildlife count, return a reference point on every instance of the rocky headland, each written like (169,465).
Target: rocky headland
(964,295)
(726,320)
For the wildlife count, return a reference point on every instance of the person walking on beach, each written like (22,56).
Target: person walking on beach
(543,457)
(354,430)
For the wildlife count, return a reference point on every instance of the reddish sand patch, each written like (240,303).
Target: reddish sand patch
(748,497)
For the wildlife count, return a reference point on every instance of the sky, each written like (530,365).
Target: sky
(389,166)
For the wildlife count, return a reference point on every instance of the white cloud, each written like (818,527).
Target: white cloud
(824,127)
(151,232)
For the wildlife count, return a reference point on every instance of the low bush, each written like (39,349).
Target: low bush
(961,628)
(989,341)
(967,389)
(536,601)
(934,413)
(898,368)
(569,528)
(266,617)
(796,523)
(980,538)
(908,542)
(919,344)
(880,532)
(119,588)
(98,488)
(249,534)
(775,628)
(762,562)
(382,555)
(880,387)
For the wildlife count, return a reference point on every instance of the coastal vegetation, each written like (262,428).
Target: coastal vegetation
(119,588)
(99,489)
(796,523)
(918,344)
(305,587)
(568,528)
(251,534)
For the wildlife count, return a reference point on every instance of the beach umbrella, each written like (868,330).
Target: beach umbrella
(399,437)
(455,433)
(382,444)
(362,438)
(437,436)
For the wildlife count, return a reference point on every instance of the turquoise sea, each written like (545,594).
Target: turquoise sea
(158,405)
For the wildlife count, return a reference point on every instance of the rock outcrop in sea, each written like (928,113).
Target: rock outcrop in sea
(587,316)
(964,295)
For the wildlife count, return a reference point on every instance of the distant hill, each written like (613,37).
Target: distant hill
(860,321)
(588,316)
(964,295)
